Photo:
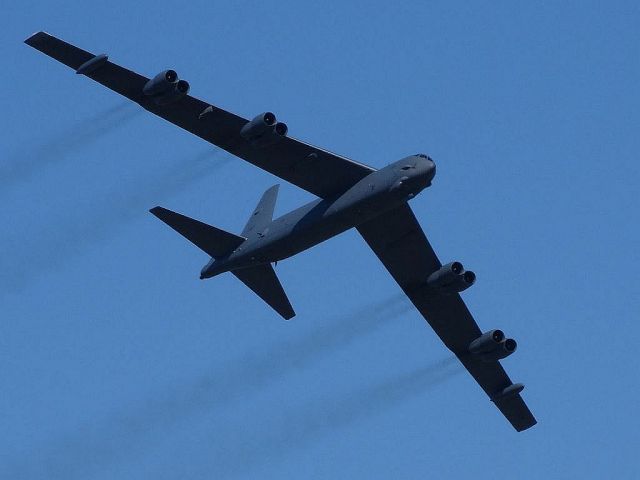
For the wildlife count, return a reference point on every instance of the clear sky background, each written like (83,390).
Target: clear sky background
(116,361)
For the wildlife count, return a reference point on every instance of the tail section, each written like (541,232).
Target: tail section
(212,240)
(263,281)
(263,213)
(217,243)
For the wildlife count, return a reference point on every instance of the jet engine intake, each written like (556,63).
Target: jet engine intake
(492,345)
(161,83)
(451,278)
(165,88)
(263,130)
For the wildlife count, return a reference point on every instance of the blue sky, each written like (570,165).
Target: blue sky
(118,362)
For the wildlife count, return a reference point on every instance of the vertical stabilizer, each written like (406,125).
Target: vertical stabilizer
(263,213)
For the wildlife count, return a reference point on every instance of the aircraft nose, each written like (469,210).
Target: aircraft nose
(431,169)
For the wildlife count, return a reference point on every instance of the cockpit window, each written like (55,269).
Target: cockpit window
(407,167)
(422,155)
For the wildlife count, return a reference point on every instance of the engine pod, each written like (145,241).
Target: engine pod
(161,84)
(263,130)
(492,345)
(281,129)
(180,89)
(502,350)
(451,278)
(487,342)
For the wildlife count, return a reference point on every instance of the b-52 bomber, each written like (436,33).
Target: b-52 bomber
(351,195)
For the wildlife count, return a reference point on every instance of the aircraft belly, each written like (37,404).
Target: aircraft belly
(302,239)
(304,235)
(318,221)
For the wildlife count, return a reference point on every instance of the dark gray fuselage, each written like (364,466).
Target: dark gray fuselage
(322,219)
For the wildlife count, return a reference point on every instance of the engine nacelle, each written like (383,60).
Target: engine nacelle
(451,278)
(161,83)
(180,90)
(492,345)
(281,129)
(264,130)
(487,341)
(165,88)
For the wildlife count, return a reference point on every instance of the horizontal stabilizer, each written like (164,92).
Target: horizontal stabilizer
(263,281)
(212,240)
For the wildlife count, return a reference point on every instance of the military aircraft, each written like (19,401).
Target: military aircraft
(351,195)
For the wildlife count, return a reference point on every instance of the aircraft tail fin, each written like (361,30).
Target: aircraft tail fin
(263,213)
(263,281)
(212,240)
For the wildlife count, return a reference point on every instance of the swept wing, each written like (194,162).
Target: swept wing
(313,169)
(401,245)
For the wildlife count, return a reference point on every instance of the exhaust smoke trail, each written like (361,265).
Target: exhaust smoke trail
(89,451)
(71,235)
(300,428)
(257,369)
(21,165)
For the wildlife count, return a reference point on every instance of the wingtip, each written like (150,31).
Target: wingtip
(527,426)
(35,37)
(155,210)
(286,311)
